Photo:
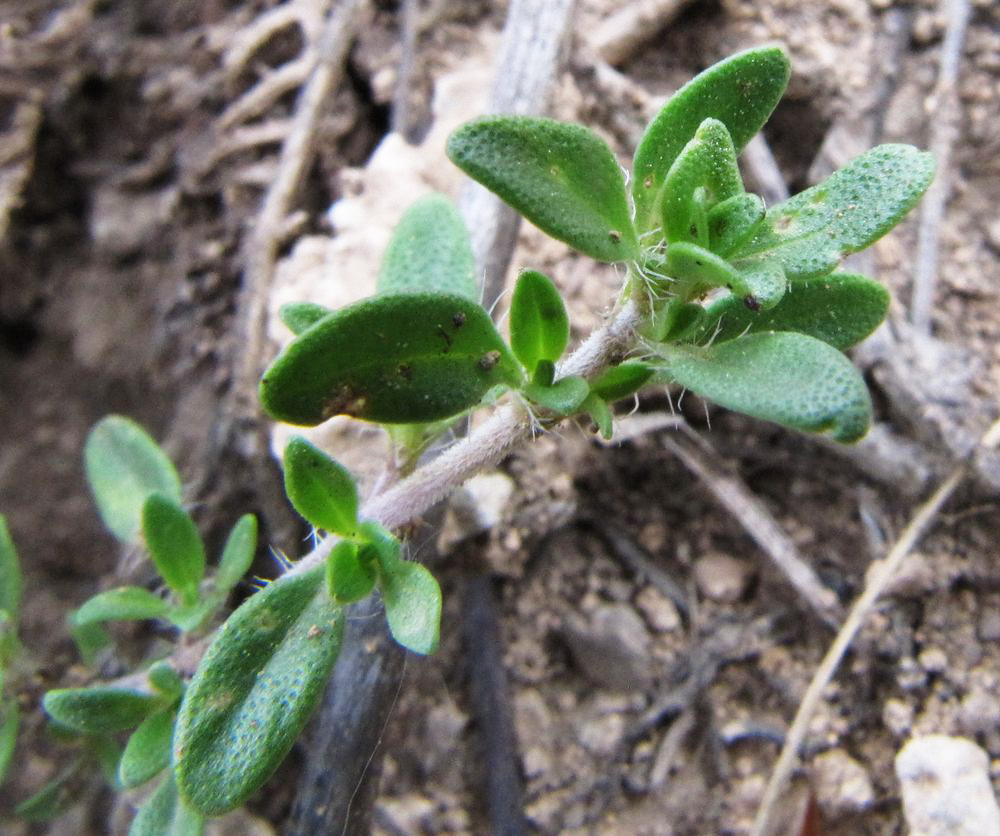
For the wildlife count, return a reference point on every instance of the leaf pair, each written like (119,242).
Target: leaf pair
(324,492)
(566,180)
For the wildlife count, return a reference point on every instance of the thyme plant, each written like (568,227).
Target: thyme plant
(741,303)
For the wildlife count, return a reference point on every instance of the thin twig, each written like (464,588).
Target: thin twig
(877,583)
(759,523)
(296,157)
(402,116)
(944,133)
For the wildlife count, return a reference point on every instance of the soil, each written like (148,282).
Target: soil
(134,158)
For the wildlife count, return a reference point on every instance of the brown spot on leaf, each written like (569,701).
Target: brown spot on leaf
(346,401)
(489,360)
(458,319)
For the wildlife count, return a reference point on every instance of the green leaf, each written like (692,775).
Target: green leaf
(237,554)
(321,489)
(740,92)
(349,578)
(811,232)
(539,326)
(9,721)
(397,359)
(50,800)
(388,550)
(300,316)
(430,252)
(704,173)
(10,577)
(124,466)
(545,373)
(561,177)
(412,606)
(760,282)
(564,396)
(165,813)
(791,379)
(175,545)
(189,617)
(100,709)
(147,752)
(675,320)
(165,679)
(254,690)
(622,380)
(733,221)
(124,603)
(108,755)
(600,414)
(90,640)
(839,308)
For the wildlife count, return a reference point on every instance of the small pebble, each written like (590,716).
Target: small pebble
(841,783)
(722,578)
(946,788)
(660,612)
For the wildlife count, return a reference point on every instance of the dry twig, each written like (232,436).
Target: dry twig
(944,133)
(879,579)
(623,33)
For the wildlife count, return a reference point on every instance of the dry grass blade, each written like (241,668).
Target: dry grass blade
(877,583)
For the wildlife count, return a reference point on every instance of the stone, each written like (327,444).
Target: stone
(841,783)
(722,578)
(611,647)
(946,788)
(659,611)
(411,813)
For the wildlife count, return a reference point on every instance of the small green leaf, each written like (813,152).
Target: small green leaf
(740,92)
(300,316)
(545,373)
(124,603)
(539,326)
(412,606)
(397,359)
(175,545)
(430,252)
(189,617)
(165,813)
(762,282)
(839,308)
(388,550)
(254,690)
(349,578)
(147,752)
(705,172)
(50,800)
(791,379)
(237,554)
(600,414)
(561,177)
(564,396)
(321,489)
(100,709)
(9,721)
(10,576)
(124,466)
(675,319)
(811,232)
(108,755)
(733,221)
(622,380)
(90,640)
(165,679)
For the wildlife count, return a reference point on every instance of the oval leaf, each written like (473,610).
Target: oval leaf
(321,489)
(175,546)
(300,316)
(840,309)
(561,177)
(349,578)
(740,92)
(99,710)
(10,576)
(733,221)
(254,690)
(124,603)
(238,553)
(147,752)
(600,414)
(791,379)
(705,173)
(539,326)
(9,721)
(564,396)
(430,252)
(166,814)
(622,380)
(165,679)
(396,359)
(124,466)
(412,606)
(855,206)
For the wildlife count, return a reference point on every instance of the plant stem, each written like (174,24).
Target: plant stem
(406,500)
